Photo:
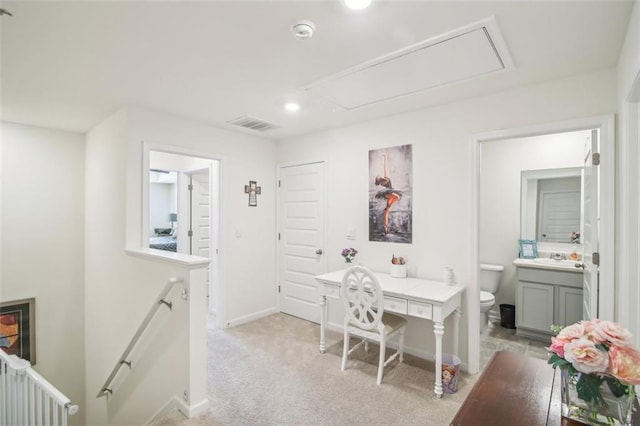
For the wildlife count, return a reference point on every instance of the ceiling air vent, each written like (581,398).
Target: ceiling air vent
(252,123)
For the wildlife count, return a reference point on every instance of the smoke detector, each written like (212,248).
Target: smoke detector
(303,30)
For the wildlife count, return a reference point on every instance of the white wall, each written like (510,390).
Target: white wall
(162,201)
(242,158)
(120,289)
(628,177)
(442,152)
(501,165)
(43,246)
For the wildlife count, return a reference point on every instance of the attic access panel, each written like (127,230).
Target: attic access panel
(460,55)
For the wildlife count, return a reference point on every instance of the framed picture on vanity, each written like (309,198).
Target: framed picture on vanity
(17,328)
(528,249)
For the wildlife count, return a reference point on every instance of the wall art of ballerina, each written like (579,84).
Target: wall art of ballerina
(390,194)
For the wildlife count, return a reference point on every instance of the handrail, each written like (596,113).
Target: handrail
(22,367)
(134,340)
(58,396)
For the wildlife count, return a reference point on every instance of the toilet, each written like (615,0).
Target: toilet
(490,276)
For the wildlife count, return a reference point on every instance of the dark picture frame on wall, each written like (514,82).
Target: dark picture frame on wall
(18,328)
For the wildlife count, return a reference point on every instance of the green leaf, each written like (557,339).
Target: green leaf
(556,361)
(555,329)
(588,387)
(617,388)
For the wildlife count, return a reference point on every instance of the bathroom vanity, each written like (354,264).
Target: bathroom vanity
(548,292)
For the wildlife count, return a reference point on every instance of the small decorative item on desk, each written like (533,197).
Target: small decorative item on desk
(448,276)
(599,369)
(349,254)
(398,267)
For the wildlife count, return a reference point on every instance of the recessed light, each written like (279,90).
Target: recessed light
(357,4)
(291,106)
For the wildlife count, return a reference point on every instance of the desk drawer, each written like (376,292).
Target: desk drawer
(422,310)
(332,292)
(392,304)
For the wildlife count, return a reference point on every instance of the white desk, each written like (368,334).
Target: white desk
(416,297)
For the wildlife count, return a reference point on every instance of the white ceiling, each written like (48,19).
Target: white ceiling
(68,65)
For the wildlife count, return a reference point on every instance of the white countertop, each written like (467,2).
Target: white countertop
(549,264)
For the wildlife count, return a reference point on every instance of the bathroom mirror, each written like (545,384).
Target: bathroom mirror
(550,209)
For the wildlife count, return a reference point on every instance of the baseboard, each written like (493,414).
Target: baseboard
(251,317)
(163,411)
(192,410)
(178,404)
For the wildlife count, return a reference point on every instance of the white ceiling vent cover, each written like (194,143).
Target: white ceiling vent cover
(468,52)
(252,123)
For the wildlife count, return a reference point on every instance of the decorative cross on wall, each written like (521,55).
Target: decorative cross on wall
(253,190)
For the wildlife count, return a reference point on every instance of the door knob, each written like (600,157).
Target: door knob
(319,251)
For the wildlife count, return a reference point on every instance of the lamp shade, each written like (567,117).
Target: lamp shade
(173,217)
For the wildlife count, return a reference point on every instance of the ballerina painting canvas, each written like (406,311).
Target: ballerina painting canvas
(390,194)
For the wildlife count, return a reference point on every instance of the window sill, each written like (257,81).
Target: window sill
(184,260)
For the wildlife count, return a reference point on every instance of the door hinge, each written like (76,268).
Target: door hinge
(278,236)
(595,158)
(190,187)
(595,258)
(278,289)
(278,183)
(190,233)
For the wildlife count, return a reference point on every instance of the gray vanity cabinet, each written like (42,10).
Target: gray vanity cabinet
(545,297)
(570,301)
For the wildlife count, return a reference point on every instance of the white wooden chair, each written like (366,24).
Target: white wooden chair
(362,297)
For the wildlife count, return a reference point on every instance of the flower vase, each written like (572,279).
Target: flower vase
(612,411)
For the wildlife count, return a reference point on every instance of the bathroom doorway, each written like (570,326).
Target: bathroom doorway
(500,157)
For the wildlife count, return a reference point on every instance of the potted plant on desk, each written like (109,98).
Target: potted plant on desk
(349,254)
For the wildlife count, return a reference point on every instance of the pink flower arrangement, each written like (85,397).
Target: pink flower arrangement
(597,346)
(597,351)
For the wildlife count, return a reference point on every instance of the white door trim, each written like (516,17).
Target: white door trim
(606,124)
(629,203)
(216,186)
(279,168)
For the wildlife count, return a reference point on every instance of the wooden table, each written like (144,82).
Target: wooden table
(516,389)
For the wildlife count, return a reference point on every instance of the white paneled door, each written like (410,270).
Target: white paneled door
(590,208)
(200,214)
(200,221)
(301,238)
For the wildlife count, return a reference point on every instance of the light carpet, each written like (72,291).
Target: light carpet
(270,372)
